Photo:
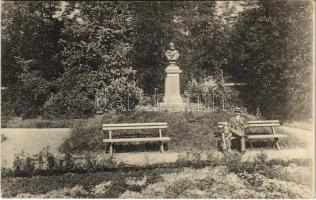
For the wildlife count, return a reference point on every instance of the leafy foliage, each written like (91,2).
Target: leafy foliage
(68,105)
(96,59)
(29,44)
(60,50)
(272,52)
(201,92)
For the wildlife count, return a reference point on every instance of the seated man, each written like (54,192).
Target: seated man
(237,125)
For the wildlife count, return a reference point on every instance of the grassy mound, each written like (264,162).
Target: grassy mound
(41,123)
(188,130)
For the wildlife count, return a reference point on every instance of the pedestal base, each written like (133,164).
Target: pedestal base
(172,107)
(172,97)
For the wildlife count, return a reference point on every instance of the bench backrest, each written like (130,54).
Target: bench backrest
(259,123)
(264,123)
(135,126)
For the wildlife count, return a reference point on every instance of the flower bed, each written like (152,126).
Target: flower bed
(226,177)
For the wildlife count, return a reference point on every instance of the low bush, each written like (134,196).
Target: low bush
(198,92)
(45,163)
(219,182)
(93,185)
(225,177)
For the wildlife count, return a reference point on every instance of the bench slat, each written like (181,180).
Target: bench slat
(263,125)
(259,125)
(267,123)
(133,128)
(263,121)
(265,136)
(256,122)
(162,139)
(136,124)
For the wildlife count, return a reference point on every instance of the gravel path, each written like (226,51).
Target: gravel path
(305,135)
(31,141)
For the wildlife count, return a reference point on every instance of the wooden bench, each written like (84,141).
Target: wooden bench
(266,123)
(255,124)
(135,126)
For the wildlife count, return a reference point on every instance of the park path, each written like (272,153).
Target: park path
(30,141)
(307,136)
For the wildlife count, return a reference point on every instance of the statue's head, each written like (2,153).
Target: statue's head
(172,54)
(171,46)
(237,111)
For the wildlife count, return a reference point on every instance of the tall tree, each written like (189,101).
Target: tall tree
(273,53)
(197,31)
(30,33)
(152,30)
(203,38)
(96,46)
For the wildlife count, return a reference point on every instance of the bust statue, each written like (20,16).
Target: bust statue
(172,54)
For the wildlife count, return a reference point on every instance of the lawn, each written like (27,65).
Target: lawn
(189,131)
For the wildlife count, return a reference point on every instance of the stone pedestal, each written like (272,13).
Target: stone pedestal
(172,87)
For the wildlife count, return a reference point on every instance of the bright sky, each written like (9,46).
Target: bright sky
(237,5)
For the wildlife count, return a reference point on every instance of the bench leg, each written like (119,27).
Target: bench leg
(277,143)
(242,144)
(111,150)
(224,146)
(161,148)
(250,143)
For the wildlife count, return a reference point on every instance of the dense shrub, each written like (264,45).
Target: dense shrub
(123,94)
(68,105)
(33,91)
(82,95)
(194,90)
(200,92)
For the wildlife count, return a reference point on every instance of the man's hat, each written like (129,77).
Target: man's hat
(237,110)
